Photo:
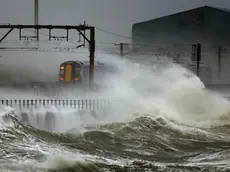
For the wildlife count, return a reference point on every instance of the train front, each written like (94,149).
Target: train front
(70,72)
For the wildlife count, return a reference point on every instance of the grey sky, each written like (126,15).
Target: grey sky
(112,15)
(116,16)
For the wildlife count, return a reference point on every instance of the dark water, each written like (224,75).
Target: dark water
(143,144)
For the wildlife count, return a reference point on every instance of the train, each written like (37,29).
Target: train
(78,72)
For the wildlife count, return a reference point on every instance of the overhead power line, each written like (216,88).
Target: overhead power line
(113,33)
(140,46)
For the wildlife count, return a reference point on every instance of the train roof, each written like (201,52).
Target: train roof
(87,63)
(73,61)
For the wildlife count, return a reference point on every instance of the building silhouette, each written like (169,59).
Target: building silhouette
(173,36)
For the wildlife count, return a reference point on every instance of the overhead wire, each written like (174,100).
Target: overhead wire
(72,41)
(111,43)
(59,51)
(144,42)
(119,35)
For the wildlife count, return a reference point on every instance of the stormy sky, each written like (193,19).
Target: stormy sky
(115,16)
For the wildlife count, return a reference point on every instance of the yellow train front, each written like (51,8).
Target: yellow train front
(71,72)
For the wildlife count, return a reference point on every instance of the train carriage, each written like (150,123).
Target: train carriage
(78,72)
(101,72)
(71,71)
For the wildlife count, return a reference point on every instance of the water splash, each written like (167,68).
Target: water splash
(161,89)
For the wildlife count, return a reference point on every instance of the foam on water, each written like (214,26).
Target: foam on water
(64,119)
(172,93)
(4,123)
(167,90)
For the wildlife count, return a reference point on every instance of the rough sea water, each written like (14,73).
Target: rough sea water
(161,120)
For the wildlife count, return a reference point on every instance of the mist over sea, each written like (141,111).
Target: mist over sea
(162,118)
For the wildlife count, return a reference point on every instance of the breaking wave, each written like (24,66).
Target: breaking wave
(161,120)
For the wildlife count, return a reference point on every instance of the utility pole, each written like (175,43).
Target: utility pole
(84,34)
(79,28)
(198,59)
(219,61)
(36,18)
(196,56)
(91,55)
(121,48)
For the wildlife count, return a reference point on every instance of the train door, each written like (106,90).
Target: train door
(68,72)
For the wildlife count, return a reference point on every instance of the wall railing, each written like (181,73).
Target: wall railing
(80,104)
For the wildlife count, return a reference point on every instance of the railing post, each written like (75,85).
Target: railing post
(93,104)
(71,103)
(63,103)
(67,103)
(44,102)
(79,104)
(28,103)
(36,103)
(86,104)
(20,104)
(55,102)
(15,102)
(74,102)
(82,104)
(40,102)
(90,105)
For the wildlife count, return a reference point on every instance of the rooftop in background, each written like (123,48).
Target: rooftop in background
(203,7)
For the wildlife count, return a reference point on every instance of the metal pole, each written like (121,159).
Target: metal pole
(198,58)
(219,62)
(6,34)
(84,34)
(36,15)
(92,51)
(121,49)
